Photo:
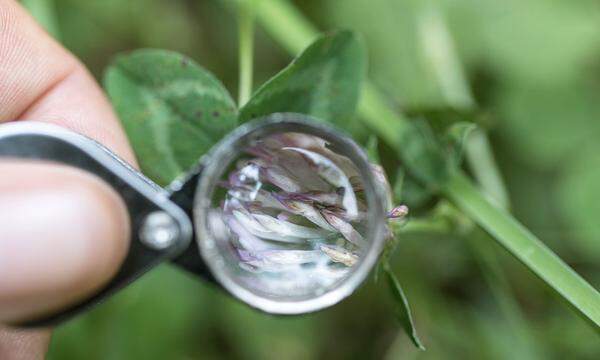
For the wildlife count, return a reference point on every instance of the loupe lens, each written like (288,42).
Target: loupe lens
(289,214)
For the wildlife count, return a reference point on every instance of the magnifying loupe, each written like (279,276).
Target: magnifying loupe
(285,213)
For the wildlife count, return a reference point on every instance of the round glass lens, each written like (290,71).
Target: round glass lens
(290,215)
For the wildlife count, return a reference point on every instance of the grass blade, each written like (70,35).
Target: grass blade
(526,247)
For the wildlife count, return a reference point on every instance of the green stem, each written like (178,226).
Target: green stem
(526,247)
(286,25)
(380,117)
(481,162)
(246,49)
(441,56)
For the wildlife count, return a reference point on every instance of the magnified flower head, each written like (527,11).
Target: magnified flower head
(297,210)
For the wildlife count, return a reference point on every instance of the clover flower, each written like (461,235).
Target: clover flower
(293,203)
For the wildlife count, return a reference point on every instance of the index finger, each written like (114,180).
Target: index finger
(41,81)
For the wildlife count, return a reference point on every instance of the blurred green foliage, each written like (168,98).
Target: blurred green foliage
(534,65)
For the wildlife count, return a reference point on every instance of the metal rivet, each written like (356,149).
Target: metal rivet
(159,231)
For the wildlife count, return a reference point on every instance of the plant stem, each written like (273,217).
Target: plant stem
(481,162)
(246,49)
(441,56)
(286,25)
(379,116)
(525,247)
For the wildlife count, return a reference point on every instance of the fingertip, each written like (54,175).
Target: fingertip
(64,234)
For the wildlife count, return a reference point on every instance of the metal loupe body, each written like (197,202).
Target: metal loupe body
(284,213)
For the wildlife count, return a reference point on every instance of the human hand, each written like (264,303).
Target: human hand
(63,232)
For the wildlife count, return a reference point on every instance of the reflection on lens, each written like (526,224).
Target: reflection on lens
(291,216)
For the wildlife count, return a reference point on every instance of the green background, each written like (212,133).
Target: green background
(534,67)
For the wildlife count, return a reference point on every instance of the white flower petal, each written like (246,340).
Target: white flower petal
(340,255)
(345,228)
(257,229)
(289,229)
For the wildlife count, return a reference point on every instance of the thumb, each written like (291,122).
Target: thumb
(63,234)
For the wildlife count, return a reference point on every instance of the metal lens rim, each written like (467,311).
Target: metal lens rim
(214,166)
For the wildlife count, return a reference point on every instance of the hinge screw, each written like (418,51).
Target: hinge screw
(159,231)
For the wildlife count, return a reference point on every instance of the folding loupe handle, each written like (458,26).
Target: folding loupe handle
(160,230)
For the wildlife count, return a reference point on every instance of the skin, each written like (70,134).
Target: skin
(63,232)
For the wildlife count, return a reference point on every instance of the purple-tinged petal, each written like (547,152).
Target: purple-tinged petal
(260,151)
(399,212)
(320,146)
(283,216)
(324,198)
(306,210)
(328,200)
(334,175)
(246,255)
(268,200)
(281,179)
(231,203)
(339,212)
(297,166)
